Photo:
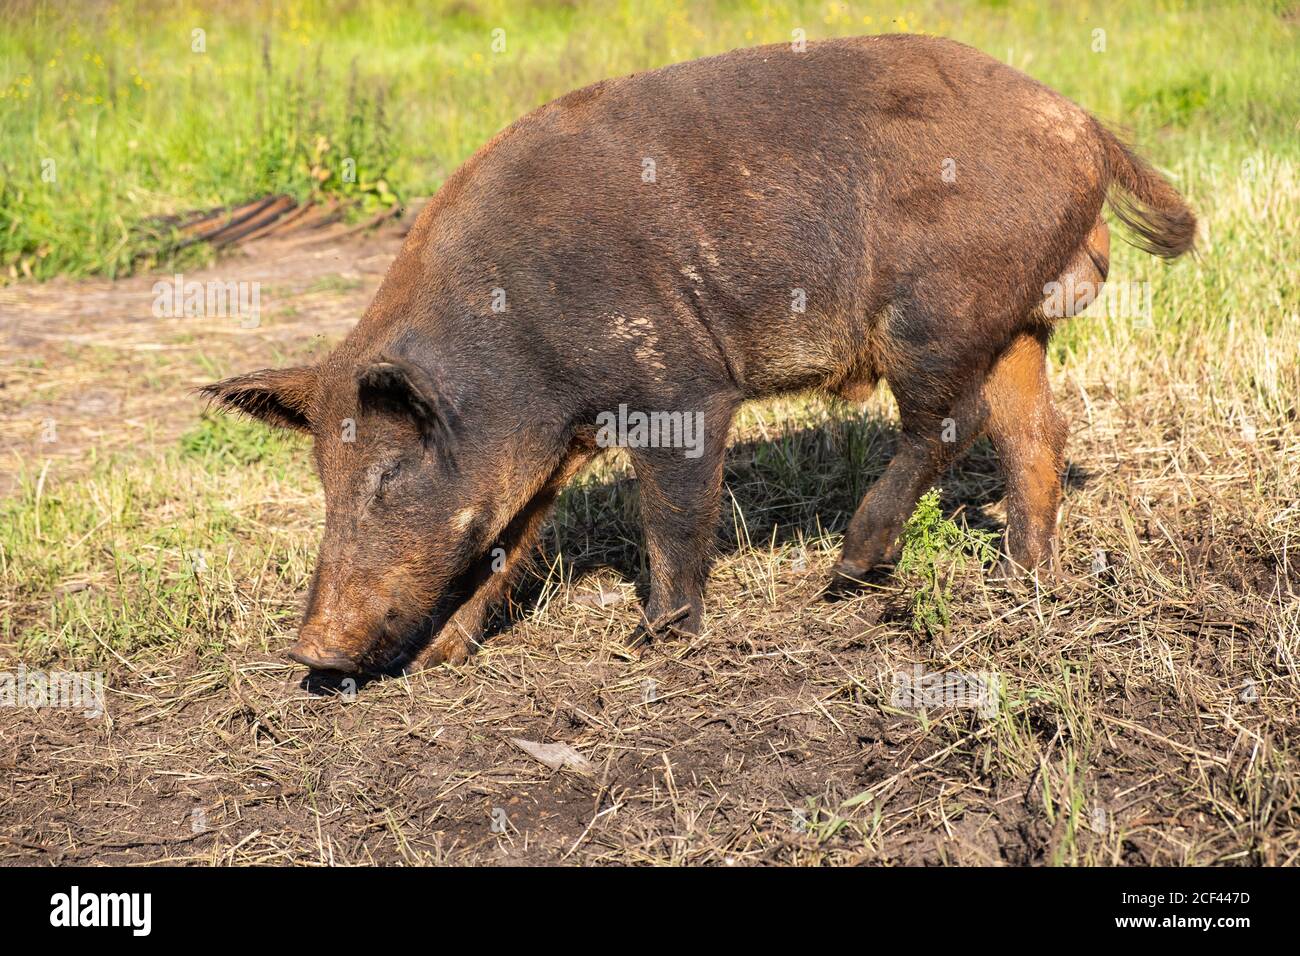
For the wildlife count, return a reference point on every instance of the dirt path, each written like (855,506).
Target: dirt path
(89,367)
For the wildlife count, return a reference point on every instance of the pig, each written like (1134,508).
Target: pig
(677,242)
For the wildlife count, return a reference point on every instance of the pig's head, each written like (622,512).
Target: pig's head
(412,499)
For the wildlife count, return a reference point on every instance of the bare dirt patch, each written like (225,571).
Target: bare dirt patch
(87,365)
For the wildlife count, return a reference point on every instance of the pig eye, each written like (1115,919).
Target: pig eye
(385,476)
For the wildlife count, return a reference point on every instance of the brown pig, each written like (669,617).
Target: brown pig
(666,246)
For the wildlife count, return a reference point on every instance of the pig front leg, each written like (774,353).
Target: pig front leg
(463,631)
(680,497)
(500,568)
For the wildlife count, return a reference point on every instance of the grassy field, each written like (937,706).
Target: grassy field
(1148,709)
(117,112)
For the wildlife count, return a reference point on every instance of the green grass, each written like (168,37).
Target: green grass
(237,441)
(136,123)
(125,558)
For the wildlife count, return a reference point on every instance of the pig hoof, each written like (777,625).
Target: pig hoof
(644,636)
(682,622)
(445,649)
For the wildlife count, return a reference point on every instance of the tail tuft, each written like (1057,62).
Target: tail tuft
(1160,221)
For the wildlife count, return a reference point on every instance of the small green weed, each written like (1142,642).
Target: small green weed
(934,549)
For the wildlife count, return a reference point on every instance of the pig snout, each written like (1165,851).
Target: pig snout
(356,622)
(315,649)
(343,622)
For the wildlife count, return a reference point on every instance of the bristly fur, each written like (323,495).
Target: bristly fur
(1159,219)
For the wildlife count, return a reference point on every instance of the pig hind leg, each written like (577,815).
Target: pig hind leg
(1029,436)
(947,398)
(1027,432)
(943,410)
(1013,403)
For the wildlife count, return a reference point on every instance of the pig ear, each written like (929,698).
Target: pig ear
(278,396)
(396,385)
